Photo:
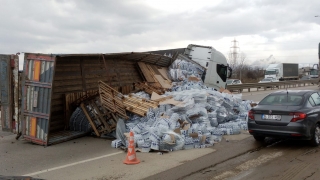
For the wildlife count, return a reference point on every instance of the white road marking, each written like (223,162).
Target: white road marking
(72,164)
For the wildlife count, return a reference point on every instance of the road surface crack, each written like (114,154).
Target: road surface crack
(312,151)
(248,165)
(309,175)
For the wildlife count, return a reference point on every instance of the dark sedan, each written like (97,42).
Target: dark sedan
(291,114)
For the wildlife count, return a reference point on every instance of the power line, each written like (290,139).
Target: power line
(285,56)
(250,43)
(260,50)
(234,54)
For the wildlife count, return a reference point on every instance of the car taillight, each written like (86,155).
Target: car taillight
(297,116)
(251,115)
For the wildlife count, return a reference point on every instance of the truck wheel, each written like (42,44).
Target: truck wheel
(315,141)
(259,138)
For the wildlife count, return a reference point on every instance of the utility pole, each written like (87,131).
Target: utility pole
(234,54)
(234,51)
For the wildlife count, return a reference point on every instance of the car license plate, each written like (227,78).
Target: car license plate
(271,117)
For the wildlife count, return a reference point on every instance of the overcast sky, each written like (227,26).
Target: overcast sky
(286,29)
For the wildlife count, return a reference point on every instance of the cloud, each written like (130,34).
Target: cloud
(286,29)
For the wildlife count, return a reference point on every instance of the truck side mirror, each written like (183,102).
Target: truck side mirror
(229,72)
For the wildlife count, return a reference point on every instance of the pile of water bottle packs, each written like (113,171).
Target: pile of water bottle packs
(203,117)
(201,120)
(181,69)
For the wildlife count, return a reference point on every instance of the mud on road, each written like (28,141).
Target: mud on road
(276,159)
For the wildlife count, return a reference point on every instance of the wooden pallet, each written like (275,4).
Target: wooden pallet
(118,103)
(101,120)
(112,100)
(149,88)
(126,89)
(138,105)
(73,100)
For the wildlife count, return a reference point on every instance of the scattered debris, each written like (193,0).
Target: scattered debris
(190,115)
(173,111)
(154,74)
(91,115)
(111,99)
(148,88)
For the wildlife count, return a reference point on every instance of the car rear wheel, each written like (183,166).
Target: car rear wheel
(315,141)
(259,138)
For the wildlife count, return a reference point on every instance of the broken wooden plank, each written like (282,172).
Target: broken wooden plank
(195,79)
(152,72)
(93,125)
(163,72)
(99,116)
(158,98)
(173,102)
(146,72)
(148,88)
(165,84)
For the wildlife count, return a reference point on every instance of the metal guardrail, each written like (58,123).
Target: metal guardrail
(272,85)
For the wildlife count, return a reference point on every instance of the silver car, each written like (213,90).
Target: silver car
(268,80)
(293,114)
(234,82)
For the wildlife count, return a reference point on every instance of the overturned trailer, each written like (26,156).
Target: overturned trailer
(50,82)
(9,88)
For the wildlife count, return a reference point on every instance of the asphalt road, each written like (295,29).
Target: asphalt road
(276,159)
(94,158)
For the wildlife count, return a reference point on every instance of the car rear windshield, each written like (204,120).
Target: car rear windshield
(282,100)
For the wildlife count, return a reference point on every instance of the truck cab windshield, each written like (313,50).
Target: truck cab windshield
(314,72)
(270,72)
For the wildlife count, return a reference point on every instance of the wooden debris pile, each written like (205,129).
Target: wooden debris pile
(111,99)
(138,105)
(73,100)
(118,103)
(148,88)
(102,121)
(155,75)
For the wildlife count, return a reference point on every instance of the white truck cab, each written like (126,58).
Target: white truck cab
(217,68)
(273,71)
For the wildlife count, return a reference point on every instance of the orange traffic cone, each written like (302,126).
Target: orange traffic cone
(131,155)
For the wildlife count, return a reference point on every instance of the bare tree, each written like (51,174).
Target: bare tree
(246,73)
(237,64)
(242,60)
